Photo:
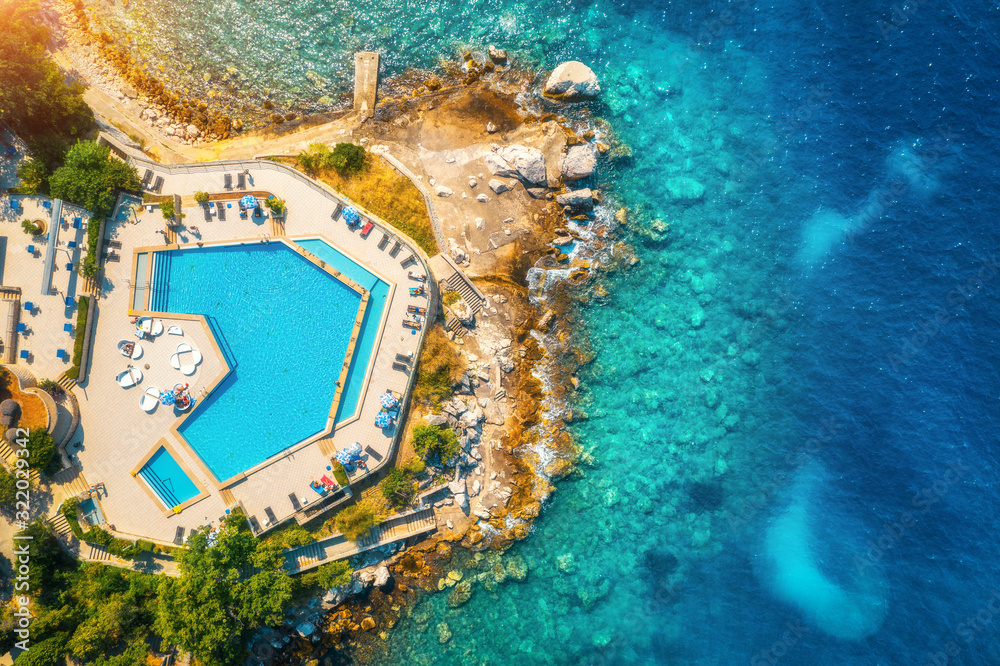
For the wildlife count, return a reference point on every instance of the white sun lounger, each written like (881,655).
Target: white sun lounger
(175,361)
(174,330)
(128,378)
(150,399)
(183,347)
(158,328)
(137,351)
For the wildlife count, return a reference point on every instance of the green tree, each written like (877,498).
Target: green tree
(35,98)
(34,177)
(8,488)
(101,632)
(90,178)
(347,158)
(355,521)
(49,652)
(167,210)
(225,591)
(334,574)
(41,449)
(47,560)
(431,441)
(201,197)
(315,157)
(397,487)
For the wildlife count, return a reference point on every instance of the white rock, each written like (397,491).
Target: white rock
(472,182)
(482,198)
(529,162)
(577,199)
(499,167)
(572,80)
(498,186)
(381,576)
(480,223)
(443,191)
(580,162)
(476,487)
(192,132)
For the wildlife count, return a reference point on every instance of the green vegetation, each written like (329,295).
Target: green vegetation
(376,186)
(334,574)
(414,466)
(449,298)
(167,210)
(276,205)
(225,592)
(82,309)
(90,178)
(201,197)
(355,521)
(290,536)
(431,441)
(34,177)
(340,474)
(345,158)
(41,449)
(52,388)
(439,369)
(8,489)
(68,509)
(48,113)
(398,488)
(31,228)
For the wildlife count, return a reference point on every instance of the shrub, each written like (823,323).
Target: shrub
(290,536)
(355,521)
(449,298)
(81,332)
(201,197)
(439,369)
(8,488)
(51,387)
(415,465)
(34,177)
(69,509)
(347,158)
(334,574)
(167,210)
(430,441)
(276,205)
(314,158)
(41,448)
(31,228)
(98,536)
(340,474)
(398,488)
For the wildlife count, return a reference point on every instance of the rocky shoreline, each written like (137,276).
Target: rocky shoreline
(511,409)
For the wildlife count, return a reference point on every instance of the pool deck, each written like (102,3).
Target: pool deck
(117,434)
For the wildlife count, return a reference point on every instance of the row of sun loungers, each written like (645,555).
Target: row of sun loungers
(241,181)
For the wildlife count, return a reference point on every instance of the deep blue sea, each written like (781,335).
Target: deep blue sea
(793,407)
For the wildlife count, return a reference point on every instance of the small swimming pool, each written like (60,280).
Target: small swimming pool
(92,513)
(284,325)
(378,294)
(167,480)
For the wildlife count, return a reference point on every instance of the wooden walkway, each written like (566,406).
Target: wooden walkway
(337,547)
(365,83)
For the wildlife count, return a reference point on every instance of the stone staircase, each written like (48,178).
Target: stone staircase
(72,481)
(61,527)
(97,552)
(460,283)
(66,383)
(10,457)
(337,547)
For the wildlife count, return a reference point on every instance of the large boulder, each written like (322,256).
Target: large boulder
(499,167)
(443,191)
(529,163)
(572,80)
(577,199)
(580,162)
(381,576)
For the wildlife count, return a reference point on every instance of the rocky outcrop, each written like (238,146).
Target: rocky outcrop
(499,56)
(572,80)
(580,162)
(443,191)
(577,199)
(498,186)
(528,162)
(382,576)
(499,167)
(685,189)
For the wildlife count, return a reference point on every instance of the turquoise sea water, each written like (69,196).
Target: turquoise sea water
(284,325)
(793,402)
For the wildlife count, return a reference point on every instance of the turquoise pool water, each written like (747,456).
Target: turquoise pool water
(167,479)
(284,325)
(91,512)
(379,292)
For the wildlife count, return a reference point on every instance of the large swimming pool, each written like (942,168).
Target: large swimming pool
(379,292)
(284,325)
